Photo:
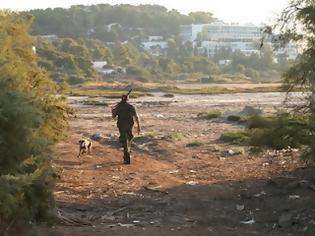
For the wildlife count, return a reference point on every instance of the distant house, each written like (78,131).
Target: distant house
(155,38)
(100,67)
(155,45)
(109,27)
(224,62)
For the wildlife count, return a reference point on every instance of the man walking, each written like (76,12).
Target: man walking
(127,114)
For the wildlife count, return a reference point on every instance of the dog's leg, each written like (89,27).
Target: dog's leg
(79,153)
(90,148)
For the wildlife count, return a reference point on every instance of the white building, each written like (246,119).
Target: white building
(244,38)
(99,66)
(190,32)
(211,47)
(155,45)
(155,38)
(220,32)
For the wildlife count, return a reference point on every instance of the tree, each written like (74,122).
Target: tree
(297,23)
(32,120)
(200,17)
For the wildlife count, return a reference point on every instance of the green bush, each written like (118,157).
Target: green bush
(236,137)
(276,132)
(194,144)
(233,118)
(206,80)
(257,121)
(279,131)
(209,115)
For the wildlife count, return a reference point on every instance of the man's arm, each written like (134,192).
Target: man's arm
(137,120)
(114,112)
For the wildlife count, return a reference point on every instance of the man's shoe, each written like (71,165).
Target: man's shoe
(127,162)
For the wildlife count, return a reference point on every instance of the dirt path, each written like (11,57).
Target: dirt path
(173,189)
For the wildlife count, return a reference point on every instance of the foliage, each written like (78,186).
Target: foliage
(236,137)
(69,60)
(279,132)
(195,144)
(111,23)
(32,119)
(276,132)
(297,23)
(209,115)
(233,118)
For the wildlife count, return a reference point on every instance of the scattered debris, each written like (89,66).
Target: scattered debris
(192,183)
(233,152)
(121,225)
(240,207)
(266,164)
(248,222)
(262,193)
(294,197)
(210,229)
(97,137)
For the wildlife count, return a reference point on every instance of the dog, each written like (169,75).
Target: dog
(85,145)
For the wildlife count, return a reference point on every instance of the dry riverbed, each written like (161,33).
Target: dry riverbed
(182,180)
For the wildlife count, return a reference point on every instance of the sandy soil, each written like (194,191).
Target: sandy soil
(173,189)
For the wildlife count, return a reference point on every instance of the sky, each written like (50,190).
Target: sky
(230,11)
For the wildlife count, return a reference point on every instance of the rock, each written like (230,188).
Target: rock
(260,194)
(294,197)
(248,222)
(240,207)
(285,220)
(265,164)
(233,152)
(96,137)
(192,183)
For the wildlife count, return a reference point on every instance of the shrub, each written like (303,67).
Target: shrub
(233,118)
(257,121)
(168,95)
(209,115)
(279,131)
(276,132)
(236,137)
(194,144)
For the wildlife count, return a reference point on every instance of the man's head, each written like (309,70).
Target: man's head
(124,98)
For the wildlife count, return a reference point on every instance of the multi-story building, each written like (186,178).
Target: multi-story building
(212,37)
